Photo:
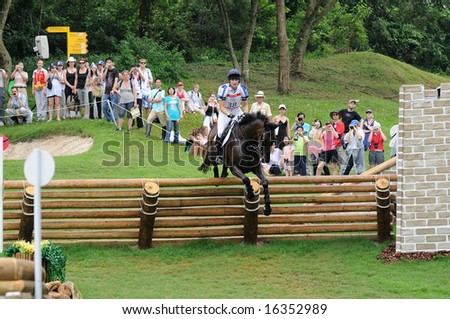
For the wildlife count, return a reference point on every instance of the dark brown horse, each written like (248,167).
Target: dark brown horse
(248,144)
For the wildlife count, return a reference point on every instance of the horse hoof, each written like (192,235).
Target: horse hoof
(267,211)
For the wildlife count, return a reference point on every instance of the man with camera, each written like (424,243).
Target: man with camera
(17,111)
(355,148)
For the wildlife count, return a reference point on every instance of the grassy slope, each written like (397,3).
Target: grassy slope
(372,78)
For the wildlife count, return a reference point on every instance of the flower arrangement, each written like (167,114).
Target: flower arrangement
(52,256)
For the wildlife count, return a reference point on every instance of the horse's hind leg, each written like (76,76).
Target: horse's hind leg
(224,171)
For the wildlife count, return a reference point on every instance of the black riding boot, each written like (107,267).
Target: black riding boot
(148,130)
(219,149)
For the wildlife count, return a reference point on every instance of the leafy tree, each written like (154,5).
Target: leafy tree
(5,58)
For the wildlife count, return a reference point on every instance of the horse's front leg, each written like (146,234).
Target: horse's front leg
(224,171)
(265,184)
(248,187)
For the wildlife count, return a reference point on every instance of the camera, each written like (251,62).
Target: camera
(351,127)
(375,145)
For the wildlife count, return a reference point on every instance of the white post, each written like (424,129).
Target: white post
(37,231)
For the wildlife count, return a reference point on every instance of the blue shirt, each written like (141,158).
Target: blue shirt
(155,94)
(232,97)
(173,107)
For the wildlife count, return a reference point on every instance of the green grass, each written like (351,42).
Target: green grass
(292,269)
(342,268)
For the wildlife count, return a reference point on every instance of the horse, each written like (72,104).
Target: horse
(249,142)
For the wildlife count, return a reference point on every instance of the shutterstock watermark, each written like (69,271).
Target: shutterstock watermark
(128,152)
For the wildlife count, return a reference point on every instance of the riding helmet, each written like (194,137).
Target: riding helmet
(233,74)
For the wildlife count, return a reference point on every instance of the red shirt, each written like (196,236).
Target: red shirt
(339,127)
(377,139)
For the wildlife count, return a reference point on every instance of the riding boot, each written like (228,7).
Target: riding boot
(219,155)
(148,130)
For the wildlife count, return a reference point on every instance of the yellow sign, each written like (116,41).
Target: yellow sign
(77,43)
(63,29)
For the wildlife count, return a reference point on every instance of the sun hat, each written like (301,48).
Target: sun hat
(282,106)
(376,125)
(335,112)
(259,94)
(93,65)
(369,111)
(71,59)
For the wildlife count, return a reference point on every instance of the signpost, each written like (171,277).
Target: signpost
(76,41)
(39,169)
(5,145)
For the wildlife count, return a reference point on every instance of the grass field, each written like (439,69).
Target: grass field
(303,269)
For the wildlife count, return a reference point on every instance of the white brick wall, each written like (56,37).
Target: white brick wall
(423,168)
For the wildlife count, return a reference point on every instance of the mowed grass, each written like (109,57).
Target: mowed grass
(342,268)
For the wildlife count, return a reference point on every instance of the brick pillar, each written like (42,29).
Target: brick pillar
(423,168)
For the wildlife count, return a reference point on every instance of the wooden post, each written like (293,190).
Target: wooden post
(149,204)
(251,215)
(27,219)
(383,214)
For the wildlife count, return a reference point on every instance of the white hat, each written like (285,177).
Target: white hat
(259,94)
(376,125)
(71,59)
(282,106)
(93,65)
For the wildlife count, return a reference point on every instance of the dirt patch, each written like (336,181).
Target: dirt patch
(56,145)
(389,255)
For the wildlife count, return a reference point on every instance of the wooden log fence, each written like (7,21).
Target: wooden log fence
(153,212)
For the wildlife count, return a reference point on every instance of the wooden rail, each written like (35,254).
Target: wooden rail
(111,211)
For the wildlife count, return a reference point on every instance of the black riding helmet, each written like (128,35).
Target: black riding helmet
(234,74)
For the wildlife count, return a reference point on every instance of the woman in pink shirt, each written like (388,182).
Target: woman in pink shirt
(328,153)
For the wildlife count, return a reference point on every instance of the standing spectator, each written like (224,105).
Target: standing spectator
(376,150)
(232,96)
(60,71)
(260,105)
(300,121)
(339,127)
(3,88)
(95,82)
(20,78)
(17,108)
(211,111)
(156,98)
(139,83)
(70,81)
(110,99)
(283,123)
(315,135)
(146,75)
(367,126)
(172,107)
(300,151)
(355,148)
(39,90)
(196,100)
(329,153)
(183,96)
(54,93)
(287,159)
(349,114)
(127,92)
(82,87)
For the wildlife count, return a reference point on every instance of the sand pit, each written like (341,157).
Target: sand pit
(56,145)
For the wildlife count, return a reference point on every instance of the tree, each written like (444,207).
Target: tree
(144,17)
(315,12)
(283,48)
(248,41)
(5,58)
(226,25)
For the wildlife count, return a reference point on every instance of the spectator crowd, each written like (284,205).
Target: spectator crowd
(79,89)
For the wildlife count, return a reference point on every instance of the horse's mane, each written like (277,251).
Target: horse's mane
(250,117)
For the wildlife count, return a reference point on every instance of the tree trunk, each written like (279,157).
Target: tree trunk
(315,12)
(226,25)
(144,17)
(248,41)
(283,48)
(5,58)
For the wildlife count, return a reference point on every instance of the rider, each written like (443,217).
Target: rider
(231,97)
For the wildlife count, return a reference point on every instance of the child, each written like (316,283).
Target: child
(300,151)
(287,160)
